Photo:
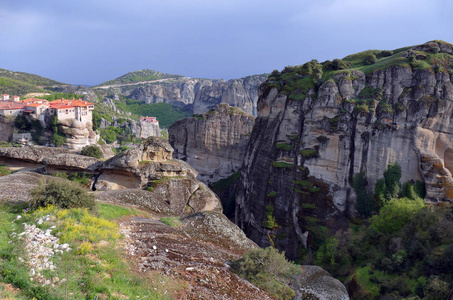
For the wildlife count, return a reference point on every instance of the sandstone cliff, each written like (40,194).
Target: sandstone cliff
(319,125)
(213,143)
(201,95)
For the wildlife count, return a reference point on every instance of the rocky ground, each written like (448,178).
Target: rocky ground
(189,255)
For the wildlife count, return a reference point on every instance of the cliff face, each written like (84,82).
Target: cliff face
(213,143)
(316,130)
(203,94)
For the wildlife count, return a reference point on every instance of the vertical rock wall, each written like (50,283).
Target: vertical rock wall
(303,153)
(213,143)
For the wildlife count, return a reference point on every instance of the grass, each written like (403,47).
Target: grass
(115,212)
(141,75)
(4,170)
(95,266)
(83,179)
(309,152)
(282,164)
(171,221)
(284,146)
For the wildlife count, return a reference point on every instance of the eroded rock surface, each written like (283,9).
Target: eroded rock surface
(213,143)
(317,284)
(49,157)
(151,166)
(192,254)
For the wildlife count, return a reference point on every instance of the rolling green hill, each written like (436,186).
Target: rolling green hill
(21,83)
(141,75)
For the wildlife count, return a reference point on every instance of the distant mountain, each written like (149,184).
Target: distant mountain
(21,83)
(139,76)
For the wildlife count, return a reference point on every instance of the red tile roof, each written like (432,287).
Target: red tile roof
(70,103)
(33,104)
(34,100)
(11,105)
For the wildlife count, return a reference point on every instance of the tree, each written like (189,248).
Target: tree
(365,204)
(93,151)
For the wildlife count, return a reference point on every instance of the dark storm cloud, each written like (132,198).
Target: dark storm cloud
(93,41)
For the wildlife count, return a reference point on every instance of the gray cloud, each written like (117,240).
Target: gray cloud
(93,41)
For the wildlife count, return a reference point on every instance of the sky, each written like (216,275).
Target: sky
(92,41)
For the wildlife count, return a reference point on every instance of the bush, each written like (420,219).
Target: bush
(61,194)
(396,214)
(369,59)
(58,139)
(22,123)
(267,269)
(336,64)
(93,151)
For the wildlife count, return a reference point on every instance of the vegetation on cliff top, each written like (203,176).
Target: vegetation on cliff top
(301,81)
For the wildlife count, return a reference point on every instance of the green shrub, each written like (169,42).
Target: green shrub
(270,221)
(284,146)
(369,59)
(22,123)
(58,139)
(268,269)
(61,194)
(336,64)
(93,151)
(396,214)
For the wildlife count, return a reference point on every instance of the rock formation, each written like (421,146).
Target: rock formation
(202,94)
(151,166)
(213,143)
(48,157)
(315,131)
(79,134)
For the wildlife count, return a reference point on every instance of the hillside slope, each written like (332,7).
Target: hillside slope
(21,83)
(139,76)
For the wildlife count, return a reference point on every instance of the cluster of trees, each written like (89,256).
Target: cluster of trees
(401,248)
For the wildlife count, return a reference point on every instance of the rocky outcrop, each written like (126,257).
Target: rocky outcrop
(312,135)
(201,95)
(6,129)
(151,166)
(49,157)
(141,129)
(213,143)
(79,134)
(194,254)
(316,283)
